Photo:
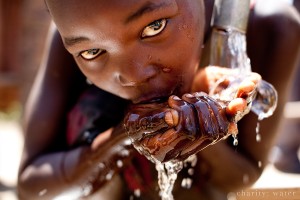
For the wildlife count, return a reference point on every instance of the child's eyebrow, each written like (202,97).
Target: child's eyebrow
(74,40)
(145,8)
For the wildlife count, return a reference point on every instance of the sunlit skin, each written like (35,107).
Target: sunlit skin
(125,54)
(145,52)
(131,61)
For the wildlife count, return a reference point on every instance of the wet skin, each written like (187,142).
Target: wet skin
(197,121)
(181,127)
(42,167)
(146,51)
(142,51)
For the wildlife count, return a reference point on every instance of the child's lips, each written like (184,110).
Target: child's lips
(154,99)
(158,95)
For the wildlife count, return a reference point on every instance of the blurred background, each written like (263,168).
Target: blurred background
(23,29)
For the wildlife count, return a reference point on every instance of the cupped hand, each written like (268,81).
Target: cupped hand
(177,128)
(181,127)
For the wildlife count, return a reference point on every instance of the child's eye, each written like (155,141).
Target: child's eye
(154,28)
(91,53)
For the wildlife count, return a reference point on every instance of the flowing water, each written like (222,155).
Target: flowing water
(167,175)
(168,171)
(264,102)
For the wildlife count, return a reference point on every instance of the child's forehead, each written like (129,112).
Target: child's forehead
(80,6)
(74,11)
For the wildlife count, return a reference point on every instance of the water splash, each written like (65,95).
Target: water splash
(257,129)
(167,175)
(235,140)
(265,101)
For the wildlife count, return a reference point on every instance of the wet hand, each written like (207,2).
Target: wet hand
(243,92)
(209,76)
(179,127)
(183,126)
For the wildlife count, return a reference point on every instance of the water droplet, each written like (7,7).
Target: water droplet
(166,69)
(124,153)
(191,171)
(259,164)
(127,142)
(186,183)
(137,192)
(257,129)
(246,178)
(266,99)
(89,82)
(119,163)
(192,160)
(235,140)
(109,175)
(258,137)
(86,190)
(101,166)
(43,192)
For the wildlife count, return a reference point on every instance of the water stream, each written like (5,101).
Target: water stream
(264,102)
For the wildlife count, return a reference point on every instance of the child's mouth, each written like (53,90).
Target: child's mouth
(153,100)
(158,96)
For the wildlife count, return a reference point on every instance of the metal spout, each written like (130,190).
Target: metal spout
(231,14)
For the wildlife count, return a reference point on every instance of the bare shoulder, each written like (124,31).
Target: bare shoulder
(275,16)
(274,27)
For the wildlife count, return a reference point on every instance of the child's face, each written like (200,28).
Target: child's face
(140,50)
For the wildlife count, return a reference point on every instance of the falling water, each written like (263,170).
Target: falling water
(167,175)
(264,102)
(168,171)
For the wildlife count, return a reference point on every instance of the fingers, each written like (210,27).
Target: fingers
(245,89)
(187,123)
(255,78)
(235,106)
(180,128)
(148,119)
(248,85)
(245,94)
(233,129)
(172,118)
(208,117)
(219,113)
(207,123)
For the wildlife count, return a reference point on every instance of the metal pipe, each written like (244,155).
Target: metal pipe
(231,14)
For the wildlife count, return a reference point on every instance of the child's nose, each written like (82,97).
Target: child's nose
(136,66)
(136,74)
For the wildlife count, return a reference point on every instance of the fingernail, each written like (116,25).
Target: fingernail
(189,96)
(176,98)
(172,118)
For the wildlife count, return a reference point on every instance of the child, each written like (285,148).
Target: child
(140,51)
